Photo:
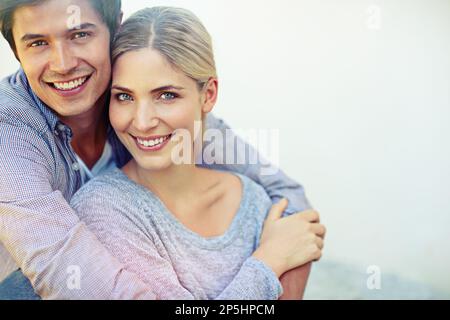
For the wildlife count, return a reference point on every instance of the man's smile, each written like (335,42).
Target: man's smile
(69,87)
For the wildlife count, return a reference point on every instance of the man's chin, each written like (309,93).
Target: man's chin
(67,109)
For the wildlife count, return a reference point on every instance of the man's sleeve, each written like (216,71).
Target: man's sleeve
(45,237)
(246,160)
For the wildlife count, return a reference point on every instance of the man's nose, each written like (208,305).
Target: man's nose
(145,117)
(62,59)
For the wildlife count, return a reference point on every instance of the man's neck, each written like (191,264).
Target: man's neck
(89,133)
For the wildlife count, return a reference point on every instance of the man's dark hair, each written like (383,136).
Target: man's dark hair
(109,11)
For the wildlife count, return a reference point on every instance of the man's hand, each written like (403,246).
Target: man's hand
(294,281)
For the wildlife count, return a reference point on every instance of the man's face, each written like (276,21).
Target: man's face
(66,58)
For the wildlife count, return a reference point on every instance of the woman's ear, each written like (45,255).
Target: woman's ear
(209,96)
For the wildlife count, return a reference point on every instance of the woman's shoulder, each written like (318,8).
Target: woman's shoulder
(111,204)
(251,192)
(250,187)
(254,194)
(105,191)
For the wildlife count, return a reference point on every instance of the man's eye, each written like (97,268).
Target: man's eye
(123,97)
(167,96)
(80,35)
(38,43)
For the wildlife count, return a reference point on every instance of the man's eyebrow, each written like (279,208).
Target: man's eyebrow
(30,36)
(86,25)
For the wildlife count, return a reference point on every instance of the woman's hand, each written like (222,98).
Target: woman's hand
(287,243)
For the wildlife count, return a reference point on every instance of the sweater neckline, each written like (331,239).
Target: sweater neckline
(148,200)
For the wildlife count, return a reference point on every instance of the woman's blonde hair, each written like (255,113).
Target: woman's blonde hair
(175,33)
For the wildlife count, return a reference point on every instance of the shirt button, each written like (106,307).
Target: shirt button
(61,127)
(75,166)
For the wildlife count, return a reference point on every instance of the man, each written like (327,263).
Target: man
(54,137)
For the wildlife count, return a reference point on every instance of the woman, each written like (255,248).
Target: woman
(188,232)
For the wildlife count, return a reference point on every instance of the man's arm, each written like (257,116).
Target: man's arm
(277,185)
(294,282)
(45,237)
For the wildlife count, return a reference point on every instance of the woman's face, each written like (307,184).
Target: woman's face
(150,100)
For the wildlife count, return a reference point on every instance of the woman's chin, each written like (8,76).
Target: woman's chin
(154,164)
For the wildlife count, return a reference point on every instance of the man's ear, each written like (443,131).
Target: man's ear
(210,94)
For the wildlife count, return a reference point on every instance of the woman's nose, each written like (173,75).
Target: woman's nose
(145,118)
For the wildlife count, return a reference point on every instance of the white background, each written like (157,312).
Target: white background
(360,92)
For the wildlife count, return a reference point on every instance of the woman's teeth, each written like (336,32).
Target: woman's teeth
(152,143)
(70,85)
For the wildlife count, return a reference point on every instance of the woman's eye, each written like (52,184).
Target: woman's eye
(38,43)
(124,97)
(167,96)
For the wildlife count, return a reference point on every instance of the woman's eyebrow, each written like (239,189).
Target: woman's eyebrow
(165,88)
(119,88)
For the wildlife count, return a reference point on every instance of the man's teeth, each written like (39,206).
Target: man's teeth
(70,85)
(152,143)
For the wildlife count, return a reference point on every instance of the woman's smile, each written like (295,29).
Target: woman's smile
(154,143)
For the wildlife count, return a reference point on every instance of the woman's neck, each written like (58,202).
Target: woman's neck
(174,182)
(203,200)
